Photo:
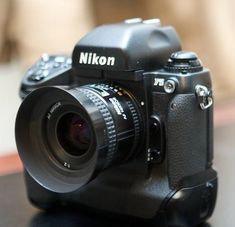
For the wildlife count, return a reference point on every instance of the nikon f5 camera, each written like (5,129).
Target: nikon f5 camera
(124,126)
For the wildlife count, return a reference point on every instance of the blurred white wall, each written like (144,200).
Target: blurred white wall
(10,76)
(33,28)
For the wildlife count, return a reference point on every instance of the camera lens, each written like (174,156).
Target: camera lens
(65,137)
(74,134)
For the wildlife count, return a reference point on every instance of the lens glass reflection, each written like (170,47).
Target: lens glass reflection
(74,134)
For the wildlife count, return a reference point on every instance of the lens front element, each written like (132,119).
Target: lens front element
(74,134)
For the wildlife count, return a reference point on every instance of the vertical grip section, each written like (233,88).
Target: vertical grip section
(188,138)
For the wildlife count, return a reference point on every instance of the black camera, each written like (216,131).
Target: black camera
(124,126)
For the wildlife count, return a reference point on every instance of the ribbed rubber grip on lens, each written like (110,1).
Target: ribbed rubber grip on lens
(111,133)
(136,123)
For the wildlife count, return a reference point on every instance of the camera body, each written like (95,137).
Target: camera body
(170,176)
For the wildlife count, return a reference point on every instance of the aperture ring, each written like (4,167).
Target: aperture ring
(109,122)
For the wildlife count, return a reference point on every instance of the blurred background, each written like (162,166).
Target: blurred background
(29,28)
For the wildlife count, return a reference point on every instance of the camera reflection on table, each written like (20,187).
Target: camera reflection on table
(72,218)
(15,210)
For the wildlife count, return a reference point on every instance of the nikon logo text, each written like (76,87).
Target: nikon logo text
(94,59)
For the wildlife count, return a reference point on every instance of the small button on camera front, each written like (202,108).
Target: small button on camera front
(169,86)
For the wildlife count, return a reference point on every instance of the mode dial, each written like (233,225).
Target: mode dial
(183,62)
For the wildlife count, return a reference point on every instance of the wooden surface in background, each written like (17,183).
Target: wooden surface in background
(10,164)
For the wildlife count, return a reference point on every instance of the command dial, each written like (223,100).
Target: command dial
(183,62)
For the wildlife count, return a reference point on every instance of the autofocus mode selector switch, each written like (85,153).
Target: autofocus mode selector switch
(183,62)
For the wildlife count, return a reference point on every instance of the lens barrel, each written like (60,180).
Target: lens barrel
(66,136)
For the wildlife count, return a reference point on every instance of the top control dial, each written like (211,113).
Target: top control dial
(183,62)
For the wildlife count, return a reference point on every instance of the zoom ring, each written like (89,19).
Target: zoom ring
(111,132)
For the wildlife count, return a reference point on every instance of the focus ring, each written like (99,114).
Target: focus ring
(136,123)
(111,132)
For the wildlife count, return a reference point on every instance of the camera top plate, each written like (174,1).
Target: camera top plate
(132,45)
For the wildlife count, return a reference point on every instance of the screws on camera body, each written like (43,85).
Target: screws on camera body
(169,86)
